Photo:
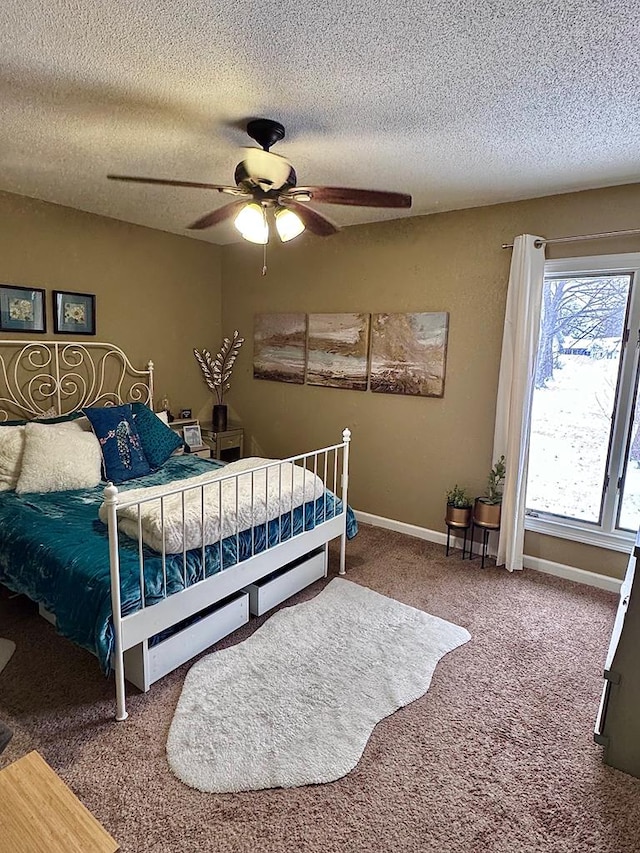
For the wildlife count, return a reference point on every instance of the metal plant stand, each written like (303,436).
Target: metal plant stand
(486,530)
(454,526)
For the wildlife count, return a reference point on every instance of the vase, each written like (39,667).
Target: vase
(219,418)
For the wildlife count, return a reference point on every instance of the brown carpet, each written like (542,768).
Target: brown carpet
(498,756)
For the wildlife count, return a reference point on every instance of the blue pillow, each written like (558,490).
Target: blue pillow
(122,454)
(157,439)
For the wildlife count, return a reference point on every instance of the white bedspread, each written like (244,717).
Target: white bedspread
(230,505)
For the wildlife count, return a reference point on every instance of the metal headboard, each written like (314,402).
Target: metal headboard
(38,375)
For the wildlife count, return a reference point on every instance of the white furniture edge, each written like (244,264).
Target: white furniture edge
(560,570)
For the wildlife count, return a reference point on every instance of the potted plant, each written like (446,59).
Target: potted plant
(217,373)
(488,507)
(459,506)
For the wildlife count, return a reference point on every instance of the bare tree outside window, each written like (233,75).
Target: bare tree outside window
(581,337)
(580,316)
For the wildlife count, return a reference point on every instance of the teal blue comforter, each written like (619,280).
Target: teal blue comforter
(55,550)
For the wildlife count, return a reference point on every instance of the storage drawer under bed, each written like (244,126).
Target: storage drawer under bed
(145,663)
(283,583)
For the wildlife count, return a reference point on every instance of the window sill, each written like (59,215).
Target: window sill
(619,541)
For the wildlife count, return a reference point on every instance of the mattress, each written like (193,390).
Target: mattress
(55,550)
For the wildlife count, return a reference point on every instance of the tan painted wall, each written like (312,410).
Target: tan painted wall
(407,451)
(157,295)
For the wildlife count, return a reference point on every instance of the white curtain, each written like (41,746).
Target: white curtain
(515,391)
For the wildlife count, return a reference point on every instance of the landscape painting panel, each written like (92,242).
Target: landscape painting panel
(408,353)
(279,347)
(338,350)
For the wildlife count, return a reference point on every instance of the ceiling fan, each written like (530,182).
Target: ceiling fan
(266,186)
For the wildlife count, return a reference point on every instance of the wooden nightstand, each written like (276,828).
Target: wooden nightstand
(227,446)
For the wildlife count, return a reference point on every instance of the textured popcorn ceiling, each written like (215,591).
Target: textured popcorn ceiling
(459,103)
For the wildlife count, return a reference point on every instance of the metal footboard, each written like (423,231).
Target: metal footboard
(217,510)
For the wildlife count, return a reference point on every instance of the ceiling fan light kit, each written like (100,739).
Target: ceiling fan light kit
(288,224)
(268,182)
(252,224)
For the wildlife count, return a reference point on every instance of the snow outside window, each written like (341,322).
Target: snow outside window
(584,454)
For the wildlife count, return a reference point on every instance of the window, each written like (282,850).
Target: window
(584,455)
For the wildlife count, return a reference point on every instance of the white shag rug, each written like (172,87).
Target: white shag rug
(7,648)
(295,703)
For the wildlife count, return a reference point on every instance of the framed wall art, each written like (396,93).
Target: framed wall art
(338,349)
(22,309)
(280,347)
(74,313)
(408,353)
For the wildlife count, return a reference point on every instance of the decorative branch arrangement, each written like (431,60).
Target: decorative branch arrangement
(216,372)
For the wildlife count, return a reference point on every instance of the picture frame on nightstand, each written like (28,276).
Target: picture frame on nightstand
(192,436)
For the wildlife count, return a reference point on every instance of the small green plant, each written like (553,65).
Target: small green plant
(494,483)
(459,498)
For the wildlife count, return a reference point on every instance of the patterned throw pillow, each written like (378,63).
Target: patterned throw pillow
(48,415)
(122,454)
(44,419)
(158,440)
(58,419)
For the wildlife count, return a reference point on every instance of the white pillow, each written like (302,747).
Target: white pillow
(59,457)
(11,450)
(82,423)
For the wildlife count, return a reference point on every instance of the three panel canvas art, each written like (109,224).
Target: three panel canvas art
(387,353)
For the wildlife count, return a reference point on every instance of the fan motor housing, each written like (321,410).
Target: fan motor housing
(264,181)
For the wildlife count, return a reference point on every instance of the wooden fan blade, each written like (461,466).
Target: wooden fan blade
(216,216)
(355,197)
(314,221)
(170,183)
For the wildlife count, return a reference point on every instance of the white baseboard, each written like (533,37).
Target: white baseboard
(560,570)
(573,573)
(401,527)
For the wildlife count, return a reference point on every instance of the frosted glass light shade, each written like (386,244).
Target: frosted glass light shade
(252,223)
(288,224)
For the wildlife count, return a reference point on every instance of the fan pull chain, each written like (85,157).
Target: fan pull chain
(264,259)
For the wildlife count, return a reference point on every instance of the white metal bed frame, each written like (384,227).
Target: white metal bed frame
(35,375)
(70,375)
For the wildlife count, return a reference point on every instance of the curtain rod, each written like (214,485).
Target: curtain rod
(540,243)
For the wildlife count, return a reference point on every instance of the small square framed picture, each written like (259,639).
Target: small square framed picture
(74,313)
(192,435)
(22,309)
